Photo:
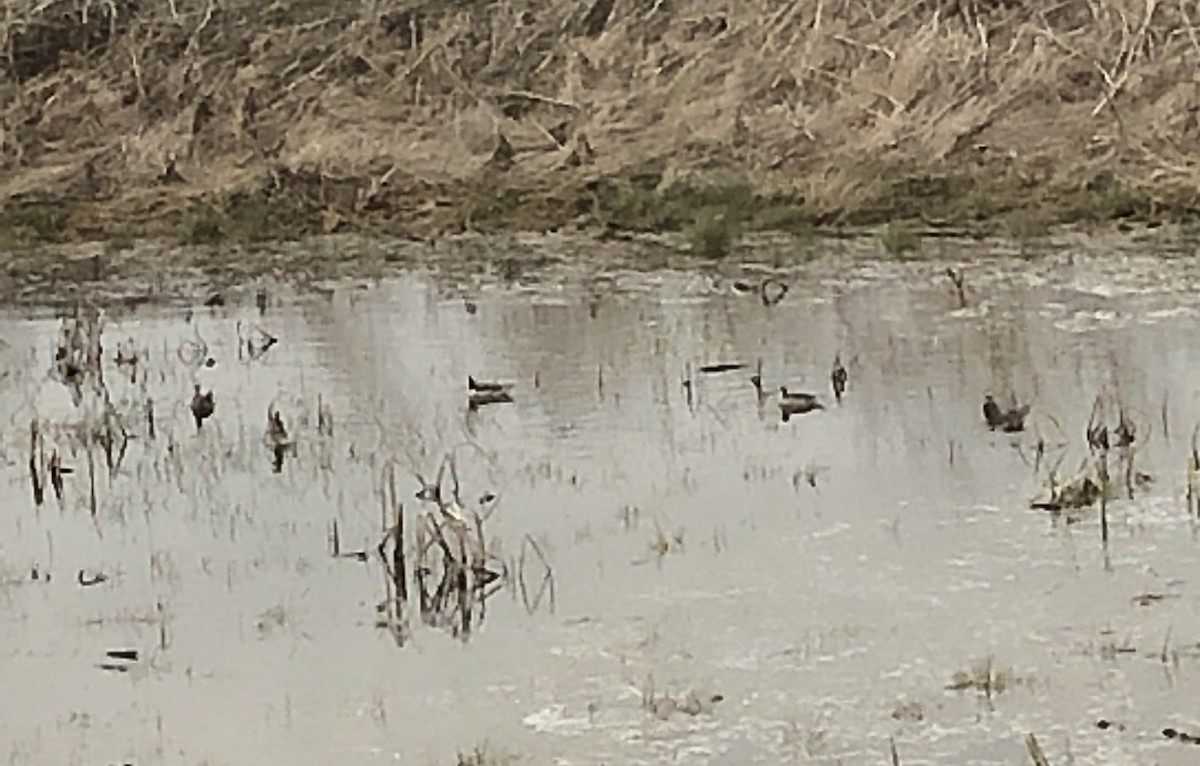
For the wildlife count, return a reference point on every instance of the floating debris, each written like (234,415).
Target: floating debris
(88,580)
(722,367)
(772,291)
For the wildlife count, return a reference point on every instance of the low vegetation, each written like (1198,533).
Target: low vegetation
(212,121)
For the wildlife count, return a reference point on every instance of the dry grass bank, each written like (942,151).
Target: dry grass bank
(212,119)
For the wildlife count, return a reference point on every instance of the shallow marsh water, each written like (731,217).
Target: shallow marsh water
(829,617)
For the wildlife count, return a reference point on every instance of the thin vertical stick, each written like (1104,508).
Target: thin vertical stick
(1104,497)
(1166,421)
(39,492)
(91,481)
(1035,750)
(399,572)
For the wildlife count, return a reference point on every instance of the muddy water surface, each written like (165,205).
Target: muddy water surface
(830,577)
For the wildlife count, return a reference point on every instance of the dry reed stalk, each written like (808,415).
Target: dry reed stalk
(36,458)
(93,506)
(651,86)
(1193,475)
(399,568)
(1035,750)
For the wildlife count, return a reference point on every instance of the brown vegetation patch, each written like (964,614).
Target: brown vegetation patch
(418,117)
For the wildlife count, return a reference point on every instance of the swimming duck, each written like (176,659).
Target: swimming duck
(796,403)
(203,406)
(277,438)
(798,398)
(838,377)
(482,393)
(475,386)
(1009,421)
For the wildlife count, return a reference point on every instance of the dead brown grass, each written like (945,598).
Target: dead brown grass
(406,109)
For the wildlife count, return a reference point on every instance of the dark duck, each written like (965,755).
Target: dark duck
(203,406)
(1010,420)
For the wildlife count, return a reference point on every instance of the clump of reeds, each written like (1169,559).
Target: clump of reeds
(453,567)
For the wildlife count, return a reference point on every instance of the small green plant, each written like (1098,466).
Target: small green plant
(204,225)
(119,241)
(788,218)
(1025,224)
(36,223)
(714,232)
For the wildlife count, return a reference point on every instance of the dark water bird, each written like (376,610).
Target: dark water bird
(838,378)
(797,397)
(1009,421)
(481,393)
(203,406)
(476,386)
(277,439)
(1126,432)
(797,403)
(483,398)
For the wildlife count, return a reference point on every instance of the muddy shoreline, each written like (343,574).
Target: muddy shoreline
(160,272)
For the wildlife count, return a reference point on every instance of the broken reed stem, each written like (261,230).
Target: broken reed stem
(1127,459)
(960,287)
(461,584)
(39,491)
(91,464)
(387,496)
(1166,421)
(399,570)
(1104,482)
(1035,750)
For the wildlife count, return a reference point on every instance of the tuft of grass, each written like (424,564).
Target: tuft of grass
(480,755)
(714,232)
(900,238)
(24,224)
(1026,224)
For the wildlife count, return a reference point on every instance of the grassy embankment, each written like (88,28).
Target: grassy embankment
(239,120)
